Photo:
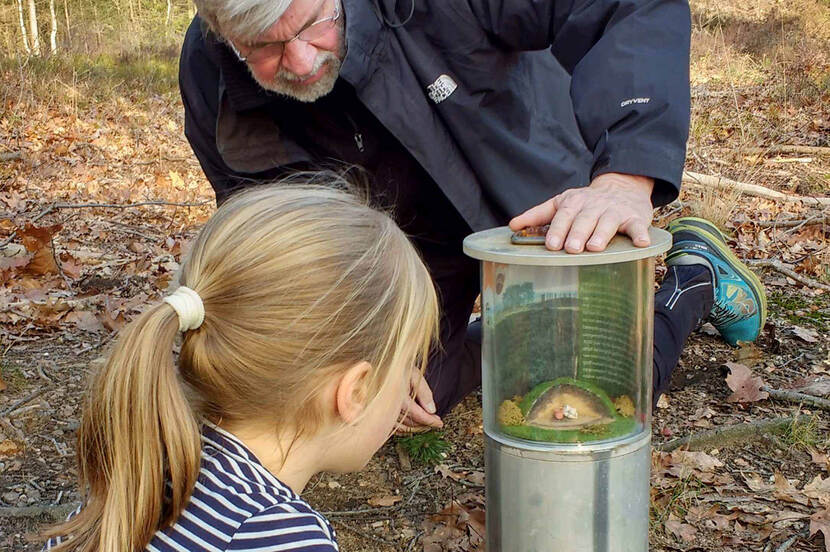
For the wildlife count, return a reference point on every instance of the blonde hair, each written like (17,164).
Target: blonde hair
(298,284)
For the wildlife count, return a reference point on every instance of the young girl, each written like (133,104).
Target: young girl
(303,314)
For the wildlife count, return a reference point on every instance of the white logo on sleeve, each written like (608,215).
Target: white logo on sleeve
(634,101)
(441,89)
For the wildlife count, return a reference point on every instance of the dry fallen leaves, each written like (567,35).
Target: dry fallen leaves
(459,527)
(820,521)
(683,531)
(745,387)
(808,335)
(384,500)
(10,448)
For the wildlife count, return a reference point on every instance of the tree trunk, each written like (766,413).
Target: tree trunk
(33,28)
(66,16)
(23,31)
(53,32)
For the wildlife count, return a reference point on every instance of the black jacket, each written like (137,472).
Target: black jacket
(521,126)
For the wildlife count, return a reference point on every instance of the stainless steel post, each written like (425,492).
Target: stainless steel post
(573,499)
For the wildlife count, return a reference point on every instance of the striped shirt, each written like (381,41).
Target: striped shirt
(237,504)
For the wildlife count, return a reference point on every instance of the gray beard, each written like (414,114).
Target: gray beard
(288,84)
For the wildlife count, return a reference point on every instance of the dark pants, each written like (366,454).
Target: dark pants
(683,300)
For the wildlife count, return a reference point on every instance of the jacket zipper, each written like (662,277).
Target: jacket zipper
(358,137)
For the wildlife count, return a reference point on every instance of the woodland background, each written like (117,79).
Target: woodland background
(99,192)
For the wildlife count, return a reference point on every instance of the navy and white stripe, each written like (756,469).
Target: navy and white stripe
(239,505)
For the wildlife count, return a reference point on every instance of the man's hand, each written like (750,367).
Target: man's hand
(419,412)
(587,218)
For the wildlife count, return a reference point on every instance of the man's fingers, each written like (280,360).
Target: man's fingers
(637,230)
(582,228)
(423,394)
(562,222)
(535,216)
(418,415)
(607,227)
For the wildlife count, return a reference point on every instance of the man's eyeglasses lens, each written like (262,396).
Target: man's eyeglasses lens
(275,49)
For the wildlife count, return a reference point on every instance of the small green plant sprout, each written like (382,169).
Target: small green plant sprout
(427,448)
(803,434)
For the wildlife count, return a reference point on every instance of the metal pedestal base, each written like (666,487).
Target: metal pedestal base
(568,500)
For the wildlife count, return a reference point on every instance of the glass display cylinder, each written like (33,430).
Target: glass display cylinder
(567,340)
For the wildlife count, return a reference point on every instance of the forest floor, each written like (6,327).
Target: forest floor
(72,274)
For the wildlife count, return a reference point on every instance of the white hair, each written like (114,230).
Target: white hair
(241,19)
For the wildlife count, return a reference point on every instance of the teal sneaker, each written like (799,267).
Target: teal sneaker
(740,309)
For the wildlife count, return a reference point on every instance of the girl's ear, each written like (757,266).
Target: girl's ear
(351,391)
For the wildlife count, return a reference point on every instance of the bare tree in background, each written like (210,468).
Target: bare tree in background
(33,28)
(23,31)
(53,33)
(68,29)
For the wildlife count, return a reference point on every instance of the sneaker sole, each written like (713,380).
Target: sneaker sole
(713,241)
(703,224)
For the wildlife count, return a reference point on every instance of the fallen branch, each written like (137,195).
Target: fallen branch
(359,511)
(787,271)
(749,189)
(720,437)
(10,155)
(796,397)
(26,399)
(808,150)
(789,223)
(58,206)
(791,160)
(803,534)
(53,512)
(362,534)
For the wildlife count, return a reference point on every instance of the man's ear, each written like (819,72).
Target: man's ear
(351,391)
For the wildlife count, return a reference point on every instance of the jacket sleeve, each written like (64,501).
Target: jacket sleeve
(629,63)
(199,87)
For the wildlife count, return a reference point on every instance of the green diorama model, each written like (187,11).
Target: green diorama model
(566,359)
(567,410)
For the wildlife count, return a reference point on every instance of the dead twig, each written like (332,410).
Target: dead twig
(790,541)
(11,430)
(10,156)
(58,206)
(789,223)
(794,396)
(359,512)
(362,534)
(808,150)
(749,189)
(414,541)
(26,399)
(98,345)
(55,513)
(787,271)
(720,437)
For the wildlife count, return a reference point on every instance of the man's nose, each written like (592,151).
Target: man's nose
(298,57)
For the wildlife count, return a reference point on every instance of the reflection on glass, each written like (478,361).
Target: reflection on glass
(568,351)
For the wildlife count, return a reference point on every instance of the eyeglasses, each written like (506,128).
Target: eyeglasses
(271,50)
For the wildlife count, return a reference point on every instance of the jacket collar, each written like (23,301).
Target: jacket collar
(363,30)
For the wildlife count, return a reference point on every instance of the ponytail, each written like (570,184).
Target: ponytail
(287,304)
(138,432)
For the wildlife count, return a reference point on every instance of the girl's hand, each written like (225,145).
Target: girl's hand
(419,407)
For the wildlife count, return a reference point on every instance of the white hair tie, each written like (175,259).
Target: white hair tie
(188,305)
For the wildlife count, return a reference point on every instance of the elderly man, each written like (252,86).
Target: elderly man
(465,115)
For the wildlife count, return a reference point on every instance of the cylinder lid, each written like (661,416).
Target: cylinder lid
(494,245)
